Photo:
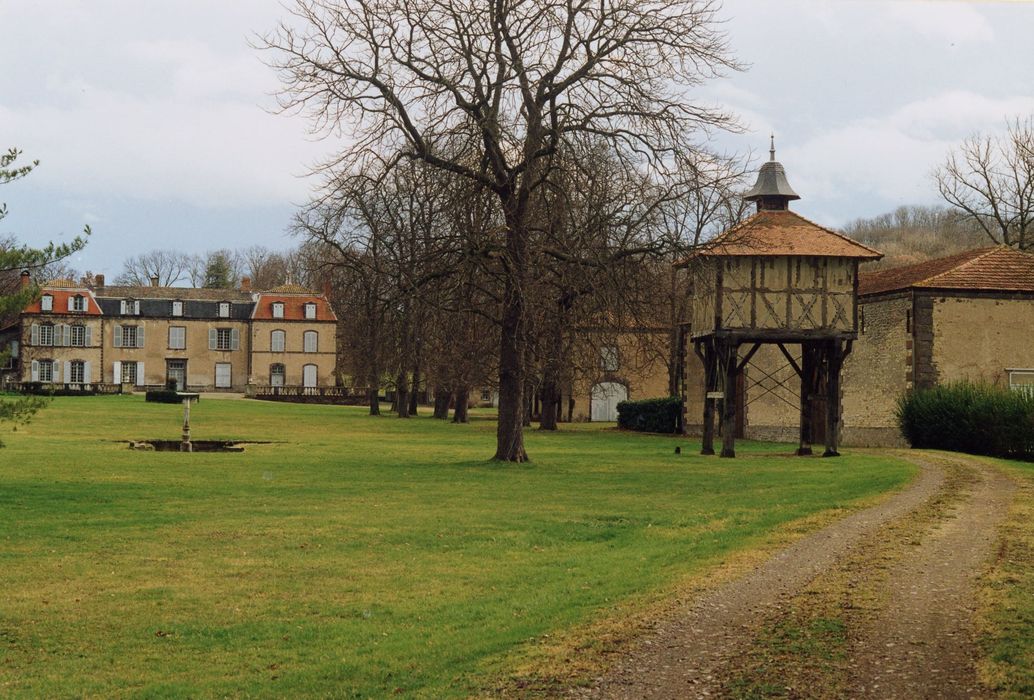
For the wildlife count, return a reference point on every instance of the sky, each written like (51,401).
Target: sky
(153,121)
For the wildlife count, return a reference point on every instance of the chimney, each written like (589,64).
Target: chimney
(245,284)
(26,279)
(154,280)
(326,288)
(100,280)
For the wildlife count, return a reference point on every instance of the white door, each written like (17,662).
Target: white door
(605,399)
(222,375)
(309,375)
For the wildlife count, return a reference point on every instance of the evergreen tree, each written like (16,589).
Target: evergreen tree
(13,295)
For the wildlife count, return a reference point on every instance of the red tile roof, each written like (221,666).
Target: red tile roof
(294,306)
(61,296)
(784,232)
(999,268)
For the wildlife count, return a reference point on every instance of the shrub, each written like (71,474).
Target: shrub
(964,417)
(651,415)
(162,396)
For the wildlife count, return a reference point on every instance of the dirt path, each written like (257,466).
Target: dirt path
(916,641)
(681,656)
(921,642)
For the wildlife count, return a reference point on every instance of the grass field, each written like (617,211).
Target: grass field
(355,556)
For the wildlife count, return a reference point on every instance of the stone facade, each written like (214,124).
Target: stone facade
(203,339)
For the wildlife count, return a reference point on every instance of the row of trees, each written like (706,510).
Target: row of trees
(509,165)
(217,269)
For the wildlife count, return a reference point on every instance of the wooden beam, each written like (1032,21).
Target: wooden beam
(729,351)
(789,358)
(746,358)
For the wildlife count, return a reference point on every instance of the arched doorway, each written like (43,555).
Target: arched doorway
(309,375)
(605,399)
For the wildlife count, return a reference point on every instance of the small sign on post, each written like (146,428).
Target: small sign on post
(715,395)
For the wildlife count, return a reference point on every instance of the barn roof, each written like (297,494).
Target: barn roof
(783,232)
(998,268)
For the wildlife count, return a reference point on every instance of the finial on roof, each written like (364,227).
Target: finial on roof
(771,190)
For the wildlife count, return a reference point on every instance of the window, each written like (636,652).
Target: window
(129,336)
(177,308)
(76,372)
(609,358)
(46,334)
(309,375)
(77,303)
(311,341)
(278,309)
(276,375)
(224,309)
(78,339)
(46,303)
(223,339)
(223,375)
(310,310)
(177,337)
(46,371)
(129,373)
(486,394)
(277,341)
(130,307)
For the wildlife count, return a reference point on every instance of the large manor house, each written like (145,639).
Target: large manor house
(153,336)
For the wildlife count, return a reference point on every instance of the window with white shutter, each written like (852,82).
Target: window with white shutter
(311,339)
(45,372)
(277,341)
(177,337)
(223,375)
(46,334)
(177,308)
(46,302)
(278,309)
(78,335)
(76,372)
(224,309)
(310,311)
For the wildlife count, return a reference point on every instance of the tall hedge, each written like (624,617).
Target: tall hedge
(650,415)
(965,417)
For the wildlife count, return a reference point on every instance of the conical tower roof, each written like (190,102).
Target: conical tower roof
(772,190)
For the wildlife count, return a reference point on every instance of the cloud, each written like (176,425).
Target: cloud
(891,156)
(955,22)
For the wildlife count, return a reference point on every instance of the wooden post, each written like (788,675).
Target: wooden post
(834,361)
(808,385)
(730,353)
(709,358)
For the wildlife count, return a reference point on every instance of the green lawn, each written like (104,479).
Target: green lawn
(355,556)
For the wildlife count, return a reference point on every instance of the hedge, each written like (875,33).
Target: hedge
(163,396)
(965,417)
(651,415)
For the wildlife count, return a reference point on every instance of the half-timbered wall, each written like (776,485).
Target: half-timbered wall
(775,293)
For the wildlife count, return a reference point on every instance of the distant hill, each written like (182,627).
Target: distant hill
(911,234)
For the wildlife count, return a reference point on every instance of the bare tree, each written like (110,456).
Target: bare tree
(523,77)
(169,266)
(990,179)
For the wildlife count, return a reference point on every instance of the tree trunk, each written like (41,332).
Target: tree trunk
(442,401)
(415,391)
(459,415)
(550,405)
(402,395)
(510,430)
(374,401)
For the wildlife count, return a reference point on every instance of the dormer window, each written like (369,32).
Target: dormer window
(224,309)
(310,310)
(130,307)
(278,309)
(46,302)
(77,303)
(177,308)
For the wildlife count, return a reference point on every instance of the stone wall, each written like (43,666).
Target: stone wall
(977,337)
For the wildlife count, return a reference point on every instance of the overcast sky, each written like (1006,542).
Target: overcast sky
(152,124)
